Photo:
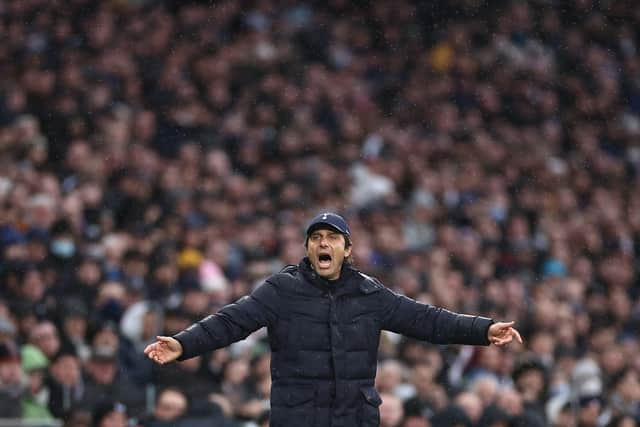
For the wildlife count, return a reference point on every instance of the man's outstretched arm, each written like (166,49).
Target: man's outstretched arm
(232,323)
(440,326)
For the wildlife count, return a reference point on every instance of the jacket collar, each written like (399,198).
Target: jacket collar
(349,280)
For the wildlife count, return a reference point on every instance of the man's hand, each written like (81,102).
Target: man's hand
(501,333)
(165,350)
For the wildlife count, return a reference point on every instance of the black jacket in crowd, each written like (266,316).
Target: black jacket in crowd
(324,340)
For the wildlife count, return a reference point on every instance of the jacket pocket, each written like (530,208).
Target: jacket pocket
(293,405)
(369,412)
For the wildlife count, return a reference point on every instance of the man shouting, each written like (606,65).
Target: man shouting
(324,319)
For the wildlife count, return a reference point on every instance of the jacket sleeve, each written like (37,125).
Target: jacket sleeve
(232,323)
(434,324)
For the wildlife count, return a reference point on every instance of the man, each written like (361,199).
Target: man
(12,388)
(324,319)
(105,378)
(171,405)
(64,381)
(46,338)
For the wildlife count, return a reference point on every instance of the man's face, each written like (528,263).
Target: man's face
(103,371)
(171,405)
(66,370)
(10,372)
(45,337)
(326,251)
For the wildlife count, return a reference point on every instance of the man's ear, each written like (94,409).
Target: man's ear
(347,249)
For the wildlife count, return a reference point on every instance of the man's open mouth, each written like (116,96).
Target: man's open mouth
(324,260)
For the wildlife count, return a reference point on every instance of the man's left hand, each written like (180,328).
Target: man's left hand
(501,333)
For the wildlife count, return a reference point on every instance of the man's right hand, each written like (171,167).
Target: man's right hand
(165,350)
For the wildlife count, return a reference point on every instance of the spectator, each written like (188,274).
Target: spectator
(7,330)
(189,376)
(75,325)
(427,400)
(625,396)
(171,405)
(105,378)
(471,404)
(45,337)
(34,365)
(390,377)
(391,412)
(64,382)
(590,410)
(487,389)
(12,387)
(530,379)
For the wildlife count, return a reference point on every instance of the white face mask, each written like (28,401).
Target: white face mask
(63,248)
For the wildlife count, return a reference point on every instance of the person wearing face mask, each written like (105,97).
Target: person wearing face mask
(324,319)
(62,244)
(63,247)
(63,255)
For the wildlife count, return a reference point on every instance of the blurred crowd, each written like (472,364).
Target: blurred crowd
(158,159)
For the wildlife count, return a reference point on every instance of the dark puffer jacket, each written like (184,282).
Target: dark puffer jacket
(324,341)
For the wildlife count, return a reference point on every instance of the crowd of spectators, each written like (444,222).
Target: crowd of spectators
(159,158)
